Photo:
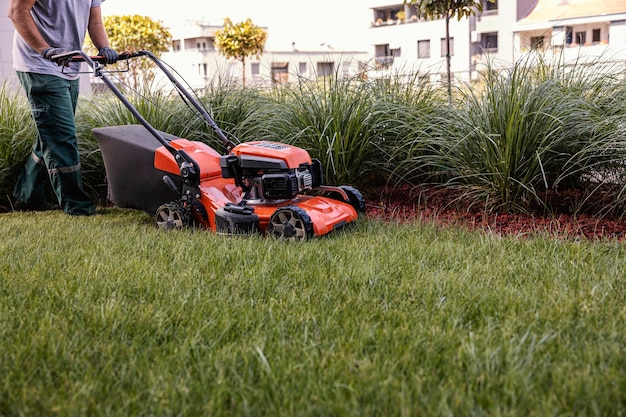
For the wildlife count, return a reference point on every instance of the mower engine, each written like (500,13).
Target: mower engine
(271,170)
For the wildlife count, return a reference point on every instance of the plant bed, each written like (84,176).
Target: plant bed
(448,207)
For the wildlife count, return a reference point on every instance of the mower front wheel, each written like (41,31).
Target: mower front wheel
(290,223)
(172,216)
(356,198)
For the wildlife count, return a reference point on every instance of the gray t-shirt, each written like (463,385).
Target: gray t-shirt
(63,24)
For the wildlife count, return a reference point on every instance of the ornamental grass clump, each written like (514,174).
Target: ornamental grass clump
(236,111)
(334,119)
(597,139)
(17,133)
(511,149)
(527,134)
(412,111)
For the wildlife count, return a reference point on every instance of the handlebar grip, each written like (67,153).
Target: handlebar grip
(80,56)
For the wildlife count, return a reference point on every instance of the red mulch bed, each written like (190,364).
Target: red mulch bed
(444,207)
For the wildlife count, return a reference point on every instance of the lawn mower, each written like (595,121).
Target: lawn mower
(250,188)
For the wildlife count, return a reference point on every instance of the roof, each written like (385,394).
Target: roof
(558,10)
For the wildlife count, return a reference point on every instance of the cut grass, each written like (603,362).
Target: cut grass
(109,316)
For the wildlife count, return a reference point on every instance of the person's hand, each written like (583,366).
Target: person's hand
(48,53)
(109,55)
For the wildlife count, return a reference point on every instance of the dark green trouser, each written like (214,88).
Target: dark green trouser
(55,152)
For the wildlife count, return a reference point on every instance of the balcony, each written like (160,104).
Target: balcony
(393,15)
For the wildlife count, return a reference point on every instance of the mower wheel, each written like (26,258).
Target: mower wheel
(356,198)
(290,223)
(171,216)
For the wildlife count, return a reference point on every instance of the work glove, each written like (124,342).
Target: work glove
(109,55)
(48,53)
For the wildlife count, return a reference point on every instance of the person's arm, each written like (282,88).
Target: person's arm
(99,37)
(19,13)
(96,30)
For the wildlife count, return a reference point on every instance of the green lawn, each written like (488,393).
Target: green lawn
(106,315)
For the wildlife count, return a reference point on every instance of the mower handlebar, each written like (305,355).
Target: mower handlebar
(97,62)
(81,56)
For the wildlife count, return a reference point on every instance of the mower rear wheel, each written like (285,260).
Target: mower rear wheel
(171,216)
(290,223)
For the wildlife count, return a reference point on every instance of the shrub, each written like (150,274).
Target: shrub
(334,119)
(529,130)
(17,133)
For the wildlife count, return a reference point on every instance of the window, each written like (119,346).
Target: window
(580,38)
(490,6)
(325,69)
(345,68)
(569,34)
(280,72)
(302,67)
(255,68)
(423,49)
(536,42)
(595,35)
(489,41)
(443,47)
(384,56)
(423,79)
(382,50)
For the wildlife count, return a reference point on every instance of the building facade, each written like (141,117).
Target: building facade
(6,46)
(574,30)
(503,33)
(402,41)
(197,59)
(395,39)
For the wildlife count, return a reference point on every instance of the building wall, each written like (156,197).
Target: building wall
(394,43)
(405,41)
(471,51)
(603,39)
(6,45)
(499,22)
(196,59)
(617,37)
(472,44)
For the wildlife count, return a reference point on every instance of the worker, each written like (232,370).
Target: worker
(43,30)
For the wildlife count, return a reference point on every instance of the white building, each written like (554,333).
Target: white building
(403,42)
(6,45)
(503,33)
(196,58)
(574,30)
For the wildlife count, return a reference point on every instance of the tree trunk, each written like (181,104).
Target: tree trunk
(448,59)
(243,61)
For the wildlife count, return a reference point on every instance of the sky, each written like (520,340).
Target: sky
(329,22)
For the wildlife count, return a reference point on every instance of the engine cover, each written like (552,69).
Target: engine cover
(268,156)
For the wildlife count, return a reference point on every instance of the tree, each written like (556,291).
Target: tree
(133,33)
(240,41)
(447,9)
